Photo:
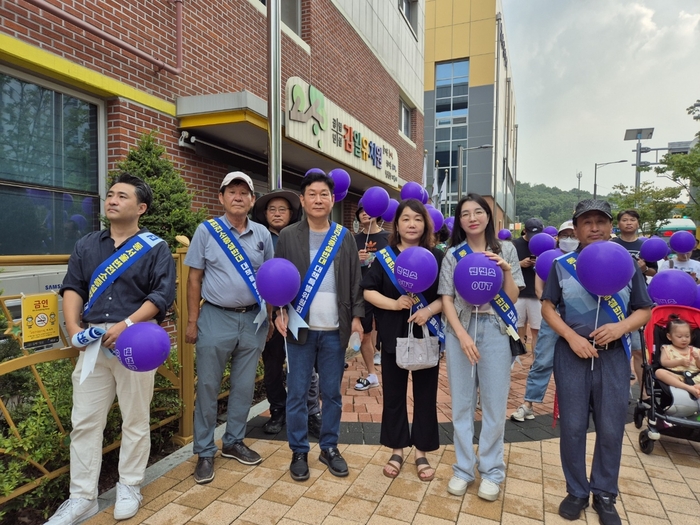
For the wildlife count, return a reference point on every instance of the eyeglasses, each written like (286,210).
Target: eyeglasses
(478,214)
(561,237)
(281,209)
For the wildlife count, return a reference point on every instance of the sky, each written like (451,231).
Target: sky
(585,71)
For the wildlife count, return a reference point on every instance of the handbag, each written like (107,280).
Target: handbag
(517,348)
(416,354)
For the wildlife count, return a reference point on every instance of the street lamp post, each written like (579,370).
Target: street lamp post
(595,174)
(578,176)
(460,164)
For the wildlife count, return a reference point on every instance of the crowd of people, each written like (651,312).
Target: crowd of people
(349,286)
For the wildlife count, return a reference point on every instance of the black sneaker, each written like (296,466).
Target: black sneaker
(299,468)
(315,425)
(278,418)
(204,471)
(571,507)
(604,505)
(243,454)
(334,461)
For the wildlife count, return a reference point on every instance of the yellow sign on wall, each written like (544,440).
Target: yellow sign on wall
(40,325)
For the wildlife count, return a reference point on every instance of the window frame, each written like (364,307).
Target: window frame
(405,115)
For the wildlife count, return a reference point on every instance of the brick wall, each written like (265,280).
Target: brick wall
(224,51)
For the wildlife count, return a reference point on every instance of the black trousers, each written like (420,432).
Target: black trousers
(273,363)
(395,432)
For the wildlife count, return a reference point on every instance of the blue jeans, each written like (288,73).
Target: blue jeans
(322,348)
(604,392)
(541,370)
(492,375)
(222,337)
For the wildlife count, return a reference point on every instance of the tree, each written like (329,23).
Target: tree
(654,205)
(552,205)
(171,212)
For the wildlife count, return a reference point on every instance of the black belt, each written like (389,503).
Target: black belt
(238,310)
(617,343)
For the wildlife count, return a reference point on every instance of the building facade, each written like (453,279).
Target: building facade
(80,82)
(470,102)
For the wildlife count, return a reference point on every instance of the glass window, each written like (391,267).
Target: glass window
(290,14)
(48,168)
(409,10)
(442,134)
(443,71)
(405,119)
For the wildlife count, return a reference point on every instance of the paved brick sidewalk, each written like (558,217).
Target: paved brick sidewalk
(661,488)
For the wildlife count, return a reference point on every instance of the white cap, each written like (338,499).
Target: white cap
(237,175)
(566,225)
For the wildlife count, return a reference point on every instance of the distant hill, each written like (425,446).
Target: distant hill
(552,205)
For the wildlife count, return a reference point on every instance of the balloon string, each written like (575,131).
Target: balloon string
(597,311)
(476,327)
(286,352)
(369,229)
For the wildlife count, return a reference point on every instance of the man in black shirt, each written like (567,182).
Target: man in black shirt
(370,240)
(528,305)
(143,293)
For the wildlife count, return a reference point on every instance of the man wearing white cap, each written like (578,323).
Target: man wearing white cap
(541,369)
(230,327)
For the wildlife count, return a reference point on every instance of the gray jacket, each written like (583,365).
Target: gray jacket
(293,245)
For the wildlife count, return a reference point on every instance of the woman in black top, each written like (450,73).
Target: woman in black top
(412,227)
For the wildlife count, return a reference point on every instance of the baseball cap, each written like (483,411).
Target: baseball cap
(534,226)
(587,205)
(566,225)
(237,175)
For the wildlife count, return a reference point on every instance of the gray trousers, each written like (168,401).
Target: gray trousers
(224,337)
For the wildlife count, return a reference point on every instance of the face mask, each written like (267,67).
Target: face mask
(568,245)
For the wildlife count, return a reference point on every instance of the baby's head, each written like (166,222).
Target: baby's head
(678,331)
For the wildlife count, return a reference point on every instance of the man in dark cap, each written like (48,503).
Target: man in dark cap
(277,210)
(591,367)
(528,305)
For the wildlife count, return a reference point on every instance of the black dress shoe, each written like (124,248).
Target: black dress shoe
(204,471)
(278,418)
(315,425)
(334,461)
(299,468)
(604,505)
(571,507)
(241,453)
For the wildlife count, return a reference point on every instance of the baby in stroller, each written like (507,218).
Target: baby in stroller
(680,368)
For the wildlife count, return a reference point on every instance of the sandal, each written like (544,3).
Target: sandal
(390,471)
(423,462)
(365,384)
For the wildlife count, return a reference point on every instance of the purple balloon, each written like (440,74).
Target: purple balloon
(696,304)
(340,196)
(477,278)
(341,178)
(604,268)
(412,190)
(424,196)
(682,242)
(416,269)
(278,281)
(67,201)
(673,287)
(450,221)
(438,219)
(86,206)
(551,230)
(314,170)
(541,242)
(544,262)
(375,201)
(142,347)
(654,249)
(504,234)
(80,221)
(390,213)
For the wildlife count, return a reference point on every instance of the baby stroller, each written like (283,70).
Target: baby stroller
(664,416)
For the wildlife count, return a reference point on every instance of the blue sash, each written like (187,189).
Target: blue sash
(116,264)
(612,304)
(318,268)
(386,259)
(235,253)
(501,304)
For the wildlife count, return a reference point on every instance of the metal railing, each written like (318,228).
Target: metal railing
(180,377)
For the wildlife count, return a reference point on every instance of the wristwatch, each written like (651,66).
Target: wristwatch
(128,322)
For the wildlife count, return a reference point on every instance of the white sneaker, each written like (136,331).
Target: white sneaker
(488,490)
(128,501)
(457,486)
(73,511)
(377,358)
(524,412)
